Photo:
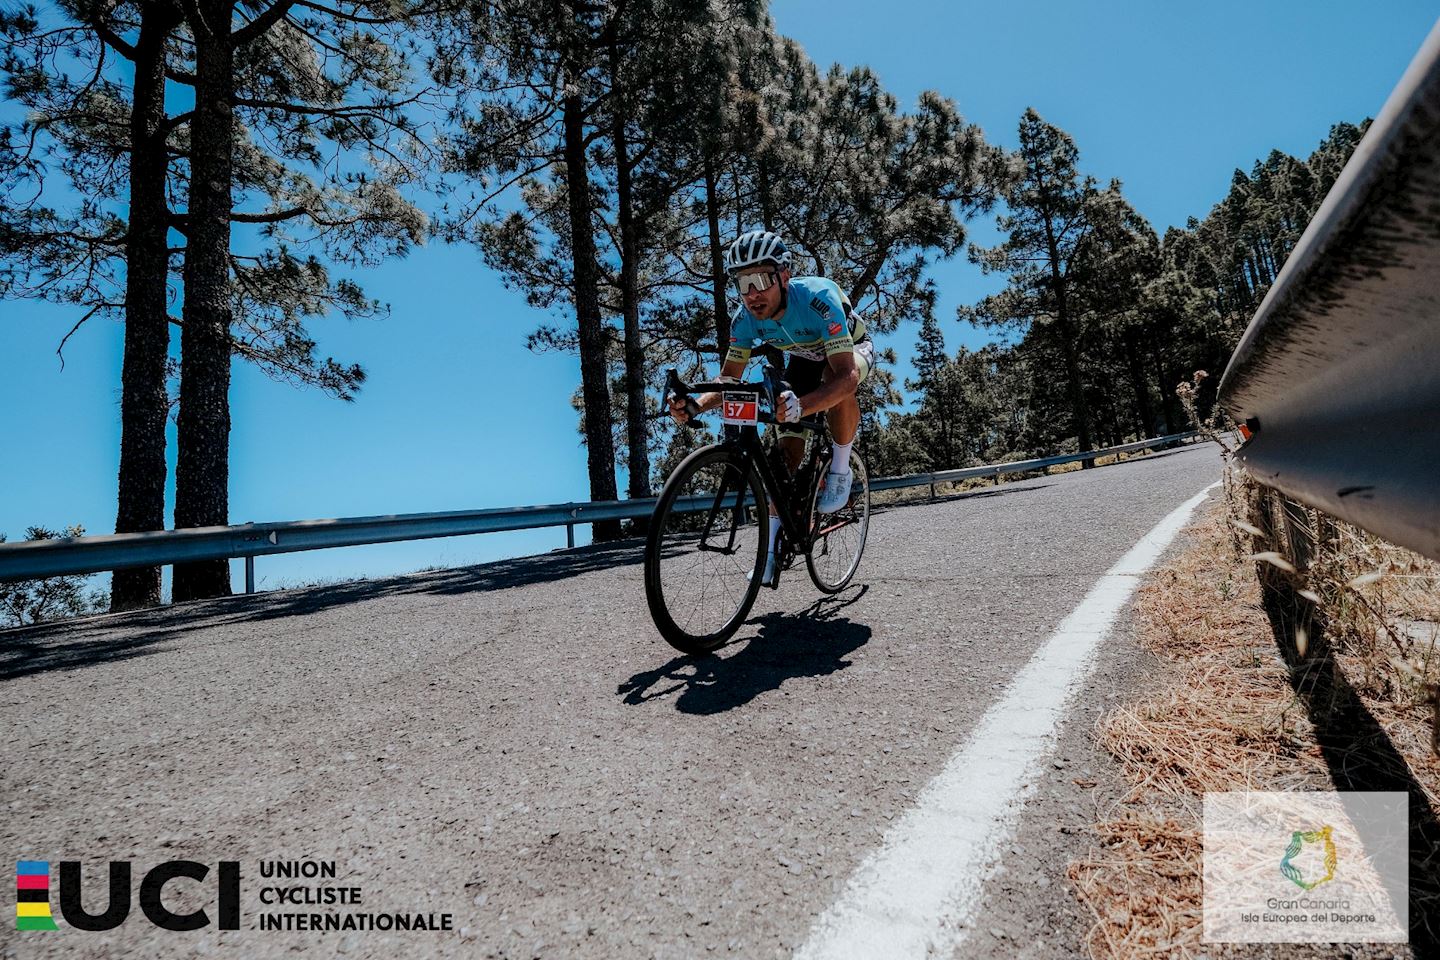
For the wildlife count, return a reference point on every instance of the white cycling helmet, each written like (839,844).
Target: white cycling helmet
(754,248)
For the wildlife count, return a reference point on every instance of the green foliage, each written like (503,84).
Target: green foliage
(1102,318)
(315,92)
(26,602)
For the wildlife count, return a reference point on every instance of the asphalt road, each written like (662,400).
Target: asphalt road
(514,745)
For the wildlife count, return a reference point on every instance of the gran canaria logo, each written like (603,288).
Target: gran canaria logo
(1298,839)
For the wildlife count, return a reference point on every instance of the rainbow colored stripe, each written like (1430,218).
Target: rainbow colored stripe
(32,896)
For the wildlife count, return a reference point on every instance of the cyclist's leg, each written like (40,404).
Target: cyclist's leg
(843,419)
(802,376)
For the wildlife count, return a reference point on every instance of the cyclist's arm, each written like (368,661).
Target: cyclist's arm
(734,370)
(843,381)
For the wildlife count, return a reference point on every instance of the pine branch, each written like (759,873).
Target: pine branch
(374,111)
(341,15)
(257,27)
(276,217)
(60,350)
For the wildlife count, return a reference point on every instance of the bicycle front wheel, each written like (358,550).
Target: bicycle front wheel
(706,549)
(838,538)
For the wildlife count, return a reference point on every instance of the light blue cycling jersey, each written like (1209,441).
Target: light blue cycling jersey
(814,325)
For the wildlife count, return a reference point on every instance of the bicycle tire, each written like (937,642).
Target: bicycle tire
(858,509)
(668,530)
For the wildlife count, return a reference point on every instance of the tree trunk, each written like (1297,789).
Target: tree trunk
(144,404)
(1137,383)
(1169,403)
(202,468)
(637,433)
(717,260)
(1068,344)
(872,270)
(739,204)
(594,370)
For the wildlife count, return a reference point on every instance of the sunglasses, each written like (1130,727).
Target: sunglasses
(746,282)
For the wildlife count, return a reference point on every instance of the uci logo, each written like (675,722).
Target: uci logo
(32,910)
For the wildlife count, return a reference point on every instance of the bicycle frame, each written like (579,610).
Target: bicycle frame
(782,490)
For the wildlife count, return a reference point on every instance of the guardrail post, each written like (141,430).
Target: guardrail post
(997,476)
(250,574)
(570,536)
(932,491)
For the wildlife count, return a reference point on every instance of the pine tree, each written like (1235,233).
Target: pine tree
(115,148)
(306,74)
(541,121)
(1118,257)
(870,194)
(82,118)
(657,86)
(1045,225)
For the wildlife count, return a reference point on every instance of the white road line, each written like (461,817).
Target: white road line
(914,896)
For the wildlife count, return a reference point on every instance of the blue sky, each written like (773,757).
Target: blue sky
(457,414)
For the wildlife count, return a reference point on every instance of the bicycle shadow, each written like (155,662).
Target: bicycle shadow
(813,643)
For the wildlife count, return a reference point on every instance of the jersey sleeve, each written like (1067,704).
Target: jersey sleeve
(742,337)
(829,306)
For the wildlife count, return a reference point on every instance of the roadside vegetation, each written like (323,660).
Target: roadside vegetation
(26,602)
(1278,631)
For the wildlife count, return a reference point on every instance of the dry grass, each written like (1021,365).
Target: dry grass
(1378,606)
(1157,863)
(1226,716)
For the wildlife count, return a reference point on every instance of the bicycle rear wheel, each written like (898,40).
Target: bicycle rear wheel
(706,549)
(838,539)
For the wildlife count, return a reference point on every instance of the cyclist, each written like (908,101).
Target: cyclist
(830,355)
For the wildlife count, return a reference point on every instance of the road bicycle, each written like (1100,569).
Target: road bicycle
(705,555)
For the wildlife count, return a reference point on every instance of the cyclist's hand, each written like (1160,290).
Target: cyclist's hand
(787,407)
(677,409)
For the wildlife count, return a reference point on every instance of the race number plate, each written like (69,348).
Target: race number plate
(739,408)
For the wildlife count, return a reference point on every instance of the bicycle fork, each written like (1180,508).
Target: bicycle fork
(737,521)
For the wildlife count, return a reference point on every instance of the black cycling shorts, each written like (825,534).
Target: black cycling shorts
(805,376)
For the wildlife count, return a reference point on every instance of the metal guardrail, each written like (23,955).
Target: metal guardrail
(51,558)
(1020,466)
(1338,374)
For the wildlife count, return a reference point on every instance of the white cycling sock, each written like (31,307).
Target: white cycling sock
(774,532)
(840,457)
